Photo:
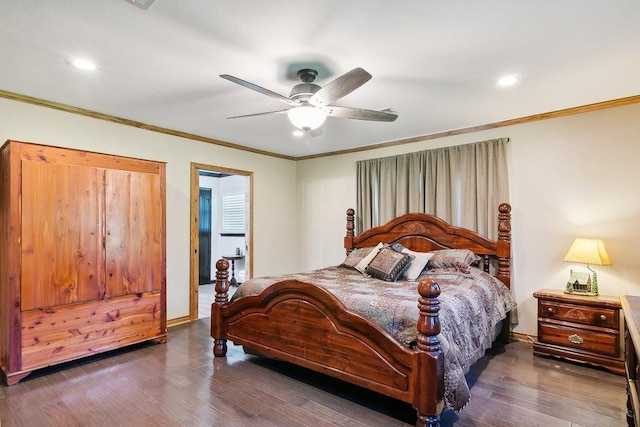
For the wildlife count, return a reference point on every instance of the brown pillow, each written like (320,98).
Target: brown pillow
(355,256)
(388,264)
(460,259)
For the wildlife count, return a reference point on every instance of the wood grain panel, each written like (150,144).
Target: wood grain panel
(598,316)
(62,256)
(64,333)
(313,329)
(330,348)
(49,154)
(8,270)
(134,260)
(598,342)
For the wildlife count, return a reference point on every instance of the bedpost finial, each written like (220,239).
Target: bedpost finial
(504,208)
(427,288)
(222,264)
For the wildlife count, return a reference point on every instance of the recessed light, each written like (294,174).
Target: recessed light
(508,80)
(298,133)
(84,64)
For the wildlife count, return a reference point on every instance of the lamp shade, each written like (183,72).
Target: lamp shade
(588,251)
(307,117)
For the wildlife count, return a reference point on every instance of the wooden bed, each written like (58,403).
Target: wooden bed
(306,325)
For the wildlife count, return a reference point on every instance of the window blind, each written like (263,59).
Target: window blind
(233,214)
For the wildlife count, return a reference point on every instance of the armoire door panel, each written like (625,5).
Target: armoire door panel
(134,233)
(62,255)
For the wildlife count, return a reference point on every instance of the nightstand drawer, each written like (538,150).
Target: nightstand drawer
(596,316)
(597,342)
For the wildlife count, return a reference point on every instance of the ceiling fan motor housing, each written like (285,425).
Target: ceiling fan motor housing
(303,91)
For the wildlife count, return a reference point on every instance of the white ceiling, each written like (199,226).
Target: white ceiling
(435,62)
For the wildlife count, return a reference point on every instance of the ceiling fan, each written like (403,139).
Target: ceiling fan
(310,104)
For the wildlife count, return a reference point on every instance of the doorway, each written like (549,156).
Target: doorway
(221,225)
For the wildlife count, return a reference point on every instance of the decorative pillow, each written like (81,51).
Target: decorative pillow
(355,256)
(461,259)
(418,263)
(388,264)
(364,262)
(397,247)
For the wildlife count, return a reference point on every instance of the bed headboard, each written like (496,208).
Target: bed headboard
(422,232)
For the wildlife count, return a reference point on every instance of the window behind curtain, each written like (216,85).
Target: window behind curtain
(462,185)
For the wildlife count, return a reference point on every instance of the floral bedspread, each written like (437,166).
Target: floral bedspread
(476,299)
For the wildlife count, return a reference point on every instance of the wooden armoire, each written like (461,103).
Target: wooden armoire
(82,255)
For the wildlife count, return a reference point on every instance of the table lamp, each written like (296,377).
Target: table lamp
(586,251)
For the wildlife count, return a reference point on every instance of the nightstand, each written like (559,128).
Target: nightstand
(580,328)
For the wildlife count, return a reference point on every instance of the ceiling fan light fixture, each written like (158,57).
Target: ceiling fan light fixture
(307,117)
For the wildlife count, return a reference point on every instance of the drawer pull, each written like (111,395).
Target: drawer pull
(603,317)
(550,311)
(576,339)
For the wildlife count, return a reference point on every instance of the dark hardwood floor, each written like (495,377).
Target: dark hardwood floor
(180,384)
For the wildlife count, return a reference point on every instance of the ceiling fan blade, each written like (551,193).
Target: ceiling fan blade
(386,115)
(260,89)
(343,85)
(259,114)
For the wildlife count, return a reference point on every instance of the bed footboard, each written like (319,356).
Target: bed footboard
(306,325)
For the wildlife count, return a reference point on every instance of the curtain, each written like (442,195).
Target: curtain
(462,185)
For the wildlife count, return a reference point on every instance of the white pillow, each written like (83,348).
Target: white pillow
(362,265)
(418,263)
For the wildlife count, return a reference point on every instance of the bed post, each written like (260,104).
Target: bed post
(503,250)
(429,395)
(348,240)
(218,328)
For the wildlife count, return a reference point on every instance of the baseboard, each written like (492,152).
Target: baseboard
(516,336)
(178,321)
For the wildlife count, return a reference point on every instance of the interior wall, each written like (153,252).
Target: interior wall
(273,196)
(571,176)
(229,245)
(574,176)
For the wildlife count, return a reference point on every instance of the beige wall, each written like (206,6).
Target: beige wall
(571,176)
(274,183)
